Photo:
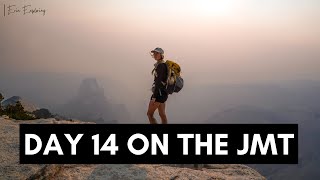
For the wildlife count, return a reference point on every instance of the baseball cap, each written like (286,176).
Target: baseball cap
(159,50)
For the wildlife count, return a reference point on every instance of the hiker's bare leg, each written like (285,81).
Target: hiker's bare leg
(152,107)
(162,113)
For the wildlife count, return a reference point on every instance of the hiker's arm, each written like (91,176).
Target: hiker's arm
(161,75)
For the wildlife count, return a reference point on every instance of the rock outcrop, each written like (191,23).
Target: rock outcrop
(27,106)
(11,169)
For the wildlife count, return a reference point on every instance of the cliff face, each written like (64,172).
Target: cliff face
(11,169)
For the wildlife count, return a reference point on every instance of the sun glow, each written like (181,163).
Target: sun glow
(214,7)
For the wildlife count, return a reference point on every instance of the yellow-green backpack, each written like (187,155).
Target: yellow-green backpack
(174,80)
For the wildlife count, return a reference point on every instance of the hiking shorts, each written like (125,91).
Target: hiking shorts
(162,99)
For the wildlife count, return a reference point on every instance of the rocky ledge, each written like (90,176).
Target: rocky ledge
(11,169)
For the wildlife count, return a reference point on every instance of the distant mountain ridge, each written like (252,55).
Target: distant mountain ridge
(309,145)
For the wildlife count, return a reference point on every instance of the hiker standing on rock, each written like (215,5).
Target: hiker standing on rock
(159,94)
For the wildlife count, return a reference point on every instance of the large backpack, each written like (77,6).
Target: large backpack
(174,80)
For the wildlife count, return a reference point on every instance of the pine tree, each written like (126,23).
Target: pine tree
(17,112)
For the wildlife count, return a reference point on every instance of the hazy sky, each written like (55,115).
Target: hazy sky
(213,40)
